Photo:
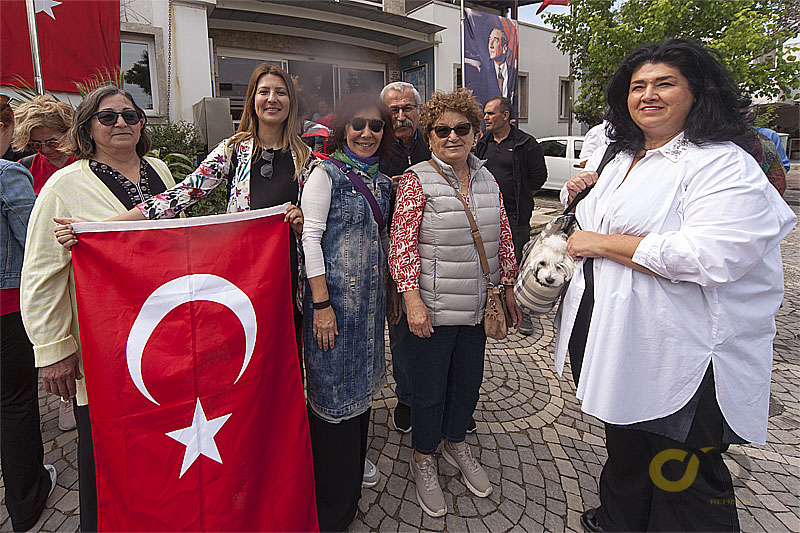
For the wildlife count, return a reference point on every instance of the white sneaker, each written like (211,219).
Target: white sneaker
(429,493)
(371,474)
(472,472)
(66,416)
(53,476)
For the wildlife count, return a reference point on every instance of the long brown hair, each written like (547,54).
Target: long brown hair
(248,127)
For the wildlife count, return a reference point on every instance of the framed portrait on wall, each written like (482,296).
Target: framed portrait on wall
(418,77)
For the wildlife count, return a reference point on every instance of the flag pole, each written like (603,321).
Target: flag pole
(571,82)
(463,82)
(37,63)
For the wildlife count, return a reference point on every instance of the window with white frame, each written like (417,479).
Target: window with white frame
(139,71)
(524,95)
(564,99)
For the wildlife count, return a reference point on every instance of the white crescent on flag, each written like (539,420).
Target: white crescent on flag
(189,288)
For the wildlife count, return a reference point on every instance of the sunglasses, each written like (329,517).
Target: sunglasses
(358,124)
(7,104)
(267,168)
(109,118)
(443,132)
(38,145)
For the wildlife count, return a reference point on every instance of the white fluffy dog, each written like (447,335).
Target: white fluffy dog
(552,264)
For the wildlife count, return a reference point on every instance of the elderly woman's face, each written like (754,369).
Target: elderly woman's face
(659,100)
(361,134)
(120,135)
(457,142)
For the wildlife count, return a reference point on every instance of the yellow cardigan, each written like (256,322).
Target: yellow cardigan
(47,291)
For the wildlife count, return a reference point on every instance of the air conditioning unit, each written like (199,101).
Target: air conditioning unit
(213,118)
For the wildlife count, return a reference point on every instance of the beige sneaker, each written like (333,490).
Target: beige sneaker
(473,473)
(66,416)
(429,493)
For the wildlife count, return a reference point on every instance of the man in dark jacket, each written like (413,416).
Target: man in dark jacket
(516,161)
(404,103)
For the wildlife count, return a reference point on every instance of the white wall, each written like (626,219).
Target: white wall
(538,56)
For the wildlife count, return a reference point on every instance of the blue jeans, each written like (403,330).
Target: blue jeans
(399,343)
(448,370)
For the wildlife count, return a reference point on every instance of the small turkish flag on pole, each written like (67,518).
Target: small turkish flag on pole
(78,40)
(196,401)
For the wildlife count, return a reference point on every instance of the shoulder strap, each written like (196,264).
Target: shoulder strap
(609,154)
(476,234)
(363,189)
(27,161)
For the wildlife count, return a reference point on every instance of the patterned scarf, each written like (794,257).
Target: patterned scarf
(366,164)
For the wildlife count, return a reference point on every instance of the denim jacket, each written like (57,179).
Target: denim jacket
(16,202)
(341,381)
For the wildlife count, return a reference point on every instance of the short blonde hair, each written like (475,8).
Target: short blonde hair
(460,101)
(41,112)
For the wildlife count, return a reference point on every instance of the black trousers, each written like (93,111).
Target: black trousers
(87,480)
(27,483)
(339,451)
(654,483)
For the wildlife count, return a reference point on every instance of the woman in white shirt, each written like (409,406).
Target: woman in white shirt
(669,321)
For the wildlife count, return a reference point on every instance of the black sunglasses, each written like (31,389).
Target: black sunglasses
(359,124)
(266,167)
(7,104)
(109,118)
(443,132)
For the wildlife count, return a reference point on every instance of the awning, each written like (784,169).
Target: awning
(356,24)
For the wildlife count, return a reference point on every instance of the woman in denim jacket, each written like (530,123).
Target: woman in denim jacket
(345,204)
(28,482)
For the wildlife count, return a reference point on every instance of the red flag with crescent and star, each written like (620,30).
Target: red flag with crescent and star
(78,40)
(195,396)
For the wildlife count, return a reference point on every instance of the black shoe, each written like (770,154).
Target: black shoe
(401,419)
(471,427)
(589,520)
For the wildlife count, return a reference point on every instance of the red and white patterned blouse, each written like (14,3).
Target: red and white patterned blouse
(404,260)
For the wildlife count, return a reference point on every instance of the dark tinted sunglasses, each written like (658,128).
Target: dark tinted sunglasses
(7,104)
(109,118)
(358,124)
(461,129)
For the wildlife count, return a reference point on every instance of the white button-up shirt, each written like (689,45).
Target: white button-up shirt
(712,225)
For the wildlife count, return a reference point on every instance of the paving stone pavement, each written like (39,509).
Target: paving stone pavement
(542,454)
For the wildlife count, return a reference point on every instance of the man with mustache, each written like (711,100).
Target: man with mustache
(403,101)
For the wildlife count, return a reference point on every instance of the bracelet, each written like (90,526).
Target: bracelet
(322,305)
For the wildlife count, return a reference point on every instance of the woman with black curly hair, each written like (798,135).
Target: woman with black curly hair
(669,320)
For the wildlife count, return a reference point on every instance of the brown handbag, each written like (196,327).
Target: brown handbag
(495,322)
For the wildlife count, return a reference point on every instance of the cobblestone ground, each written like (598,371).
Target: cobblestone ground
(542,454)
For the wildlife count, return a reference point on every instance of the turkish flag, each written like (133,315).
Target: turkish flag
(196,401)
(546,3)
(78,40)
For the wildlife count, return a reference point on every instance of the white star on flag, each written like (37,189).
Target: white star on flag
(45,6)
(199,438)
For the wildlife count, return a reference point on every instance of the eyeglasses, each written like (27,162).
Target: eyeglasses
(407,109)
(7,104)
(109,118)
(462,129)
(38,145)
(266,167)
(375,124)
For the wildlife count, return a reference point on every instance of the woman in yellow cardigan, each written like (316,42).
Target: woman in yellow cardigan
(110,177)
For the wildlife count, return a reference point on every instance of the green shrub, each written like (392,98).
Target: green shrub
(179,145)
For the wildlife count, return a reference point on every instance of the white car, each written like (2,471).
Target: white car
(561,155)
